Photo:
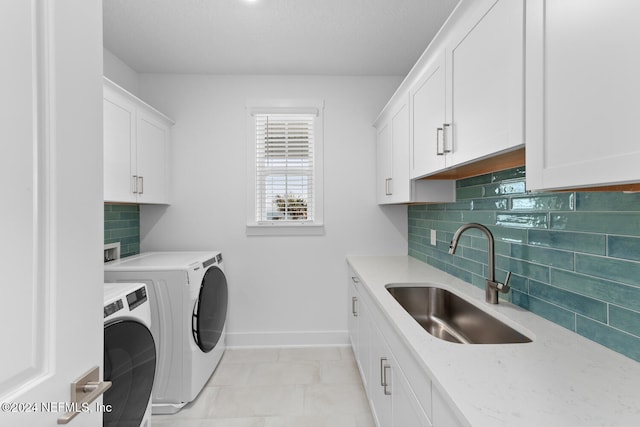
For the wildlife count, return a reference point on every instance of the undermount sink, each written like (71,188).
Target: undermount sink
(449,317)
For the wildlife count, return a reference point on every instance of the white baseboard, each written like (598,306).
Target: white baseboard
(287,339)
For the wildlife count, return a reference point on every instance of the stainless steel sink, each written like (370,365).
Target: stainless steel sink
(447,316)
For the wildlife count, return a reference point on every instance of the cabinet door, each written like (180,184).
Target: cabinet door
(427,120)
(383,172)
(119,149)
(380,379)
(352,317)
(485,103)
(152,146)
(406,411)
(443,415)
(400,144)
(583,64)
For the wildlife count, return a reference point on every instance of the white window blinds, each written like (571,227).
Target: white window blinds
(285,167)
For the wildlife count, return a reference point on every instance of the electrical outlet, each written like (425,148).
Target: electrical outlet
(433,237)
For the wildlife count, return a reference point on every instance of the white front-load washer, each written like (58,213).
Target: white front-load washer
(189,297)
(129,355)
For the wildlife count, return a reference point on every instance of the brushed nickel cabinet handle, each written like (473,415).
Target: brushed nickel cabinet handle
(439,152)
(385,387)
(445,138)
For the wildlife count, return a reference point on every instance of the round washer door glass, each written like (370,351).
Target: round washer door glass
(130,364)
(210,311)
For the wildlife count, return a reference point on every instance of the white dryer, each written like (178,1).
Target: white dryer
(189,297)
(129,355)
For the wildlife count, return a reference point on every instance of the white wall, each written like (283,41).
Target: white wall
(283,290)
(119,72)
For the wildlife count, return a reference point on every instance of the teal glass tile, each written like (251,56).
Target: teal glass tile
(512,187)
(627,320)
(603,290)
(576,303)
(516,282)
(551,257)
(579,242)
(417,255)
(461,205)
(511,235)
(459,273)
(474,181)
(490,204)
(544,202)
(483,217)
(573,255)
(608,201)
(522,220)
(122,224)
(468,265)
(609,268)
(624,247)
(625,223)
(523,268)
(614,339)
(507,174)
(464,193)
(553,313)
(476,255)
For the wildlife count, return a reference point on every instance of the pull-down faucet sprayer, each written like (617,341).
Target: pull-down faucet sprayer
(492,287)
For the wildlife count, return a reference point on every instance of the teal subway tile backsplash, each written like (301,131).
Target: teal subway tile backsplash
(575,256)
(122,224)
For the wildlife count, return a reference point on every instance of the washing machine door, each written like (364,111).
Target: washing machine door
(130,364)
(210,310)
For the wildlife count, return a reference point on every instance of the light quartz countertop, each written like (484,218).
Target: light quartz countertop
(561,379)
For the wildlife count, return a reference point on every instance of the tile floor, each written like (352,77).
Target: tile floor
(279,387)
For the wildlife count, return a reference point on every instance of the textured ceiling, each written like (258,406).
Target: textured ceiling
(332,37)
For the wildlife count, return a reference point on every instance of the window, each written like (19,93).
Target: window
(286,165)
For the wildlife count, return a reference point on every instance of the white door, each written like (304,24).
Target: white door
(51,192)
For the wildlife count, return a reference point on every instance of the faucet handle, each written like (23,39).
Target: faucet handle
(504,287)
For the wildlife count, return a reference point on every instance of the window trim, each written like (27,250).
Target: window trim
(285,106)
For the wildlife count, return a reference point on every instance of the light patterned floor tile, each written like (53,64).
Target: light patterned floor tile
(285,373)
(279,387)
(327,399)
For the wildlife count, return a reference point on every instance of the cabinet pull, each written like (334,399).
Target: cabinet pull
(134,184)
(445,134)
(141,186)
(439,152)
(354,279)
(385,387)
(383,377)
(354,308)
(388,190)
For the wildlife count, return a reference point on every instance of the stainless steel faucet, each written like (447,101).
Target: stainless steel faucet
(492,288)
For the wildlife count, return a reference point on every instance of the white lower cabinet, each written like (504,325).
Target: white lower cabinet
(399,390)
(443,415)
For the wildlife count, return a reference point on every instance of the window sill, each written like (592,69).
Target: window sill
(285,229)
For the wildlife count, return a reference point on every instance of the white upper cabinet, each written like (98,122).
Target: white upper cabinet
(394,185)
(136,149)
(485,89)
(583,86)
(428,97)
(469,101)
